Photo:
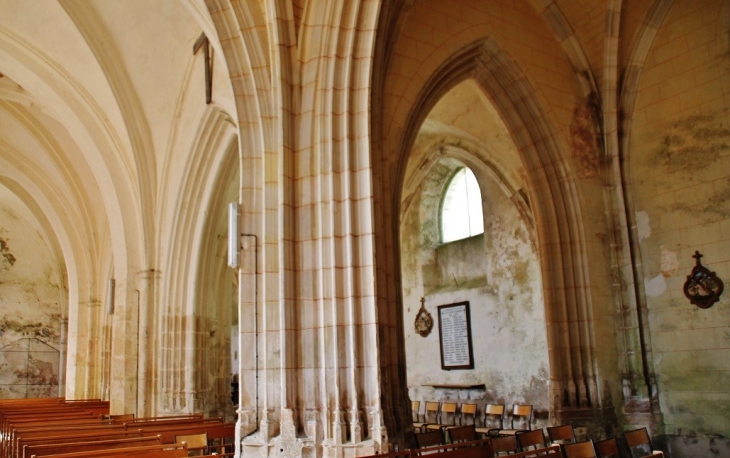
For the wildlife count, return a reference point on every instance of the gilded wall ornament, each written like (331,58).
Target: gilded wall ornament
(703,288)
(424,321)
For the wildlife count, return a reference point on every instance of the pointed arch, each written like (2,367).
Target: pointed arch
(209,153)
(554,201)
(102,152)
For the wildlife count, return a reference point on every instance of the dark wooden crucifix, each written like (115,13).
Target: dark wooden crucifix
(203,42)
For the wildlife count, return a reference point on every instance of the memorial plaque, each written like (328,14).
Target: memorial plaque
(455,335)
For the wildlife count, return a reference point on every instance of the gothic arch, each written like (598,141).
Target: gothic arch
(573,381)
(191,237)
(101,153)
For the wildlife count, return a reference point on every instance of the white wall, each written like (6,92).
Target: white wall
(32,302)
(499,274)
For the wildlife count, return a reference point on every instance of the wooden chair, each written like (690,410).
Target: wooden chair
(563,434)
(463,433)
(584,449)
(493,419)
(607,448)
(430,414)
(531,440)
(197,443)
(550,451)
(639,439)
(474,449)
(430,438)
(468,414)
(446,416)
(505,444)
(521,421)
(416,414)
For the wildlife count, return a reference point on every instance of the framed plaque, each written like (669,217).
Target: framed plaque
(455,336)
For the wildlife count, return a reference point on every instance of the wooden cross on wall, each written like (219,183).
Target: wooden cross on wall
(203,42)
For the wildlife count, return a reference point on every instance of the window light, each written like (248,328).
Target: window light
(461,208)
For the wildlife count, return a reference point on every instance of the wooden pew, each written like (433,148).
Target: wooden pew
(8,415)
(69,447)
(169,425)
(49,424)
(148,451)
(40,410)
(165,419)
(41,432)
(14,412)
(74,435)
(216,431)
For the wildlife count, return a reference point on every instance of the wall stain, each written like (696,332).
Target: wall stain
(716,205)
(693,143)
(38,372)
(584,139)
(8,259)
(34,329)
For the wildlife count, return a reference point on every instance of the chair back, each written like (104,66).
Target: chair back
(494,416)
(431,412)
(195,442)
(531,439)
(447,416)
(522,416)
(429,438)
(462,433)
(607,448)
(562,434)
(583,449)
(639,443)
(468,414)
(637,437)
(504,444)
(415,411)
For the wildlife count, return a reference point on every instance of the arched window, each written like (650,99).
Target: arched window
(461,207)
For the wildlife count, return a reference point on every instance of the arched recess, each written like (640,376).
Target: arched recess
(561,243)
(33,301)
(187,325)
(101,155)
(63,214)
(497,271)
(217,303)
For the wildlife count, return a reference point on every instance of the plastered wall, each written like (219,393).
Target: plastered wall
(680,176)
(498,274)
(31,305)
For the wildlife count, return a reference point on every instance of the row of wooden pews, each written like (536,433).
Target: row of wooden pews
(59,428)
(472,449)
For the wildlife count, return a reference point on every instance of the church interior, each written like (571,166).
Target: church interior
(303,215)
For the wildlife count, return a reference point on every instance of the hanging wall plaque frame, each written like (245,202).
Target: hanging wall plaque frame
(455,336)
(424,321)
(703,288)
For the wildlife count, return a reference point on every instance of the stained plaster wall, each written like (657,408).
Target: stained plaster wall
(498,273)
(680,179)
(32,299)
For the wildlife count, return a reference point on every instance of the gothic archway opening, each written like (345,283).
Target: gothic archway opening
(33,304)
(496,271)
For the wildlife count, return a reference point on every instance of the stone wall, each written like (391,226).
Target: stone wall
(31,305)
(498,274)
(680,178)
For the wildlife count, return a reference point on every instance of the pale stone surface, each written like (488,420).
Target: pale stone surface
(597,131)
